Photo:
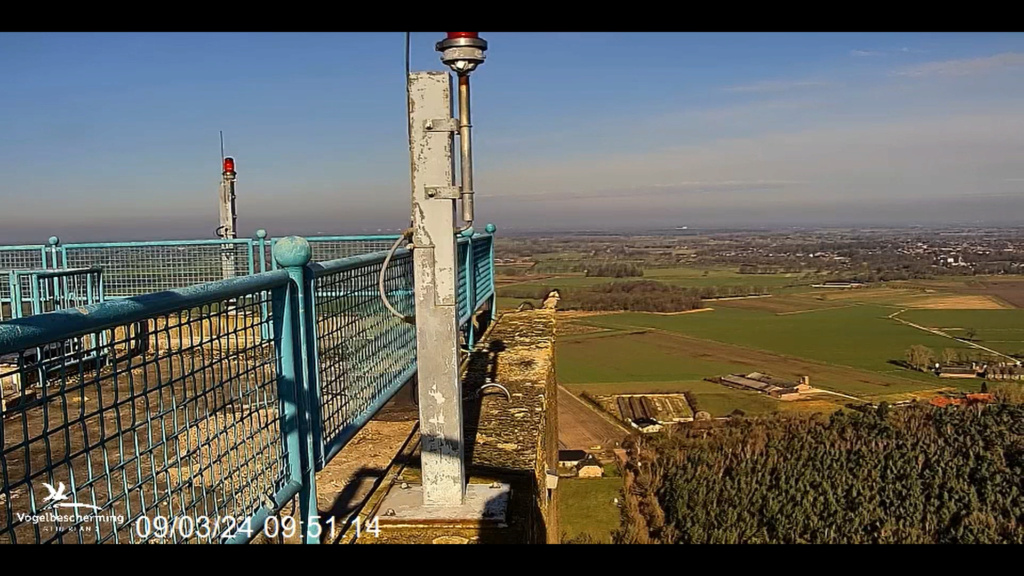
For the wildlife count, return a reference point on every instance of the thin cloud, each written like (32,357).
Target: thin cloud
(777,86)
(863,53)
(964,67)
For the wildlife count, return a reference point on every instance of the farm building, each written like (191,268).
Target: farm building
(838,284)
(972,370)
(589,468)
(1005,372)
(646,425)
(774,387)
(579,463)
(649,412)
(570,458)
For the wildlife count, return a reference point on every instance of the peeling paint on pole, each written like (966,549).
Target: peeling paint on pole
(434,260)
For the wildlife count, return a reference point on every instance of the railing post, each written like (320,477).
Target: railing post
(491,229)
(54,243)
(470,287)
(261,241)
(14,283)
(291,336)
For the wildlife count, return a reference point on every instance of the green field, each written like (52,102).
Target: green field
(857,336)
(586,506)
(600,358)
(1001,330)
(638,361)
(845,341)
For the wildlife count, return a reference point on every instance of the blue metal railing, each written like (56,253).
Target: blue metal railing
(216,401)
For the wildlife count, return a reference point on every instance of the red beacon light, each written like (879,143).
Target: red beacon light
(453,35)
(229,165)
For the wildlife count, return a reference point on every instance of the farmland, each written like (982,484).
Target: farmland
(860,337)
(844,340)
(844,345)
(1001,330)
(852,343)
(586,506)
(623,362)
(581,427)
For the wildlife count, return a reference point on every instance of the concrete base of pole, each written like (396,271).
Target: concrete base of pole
(484,504)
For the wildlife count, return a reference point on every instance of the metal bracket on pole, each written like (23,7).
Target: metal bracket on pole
(442,125)
(443,192)
(434,260)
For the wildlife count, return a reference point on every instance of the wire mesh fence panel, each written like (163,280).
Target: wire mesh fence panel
(364,352)
(17,300)
(335,247)
(18,258)
(164,428)
(482,268)
(462,303)
(132,269)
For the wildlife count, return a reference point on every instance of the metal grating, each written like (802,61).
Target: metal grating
(169,419)
(364,353)
(132,269)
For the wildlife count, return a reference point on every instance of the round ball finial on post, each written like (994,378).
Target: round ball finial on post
(54,240)
(490,228)
(261,233)
(292,251)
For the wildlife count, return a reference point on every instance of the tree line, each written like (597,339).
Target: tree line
(578,294)
(615,270)
(637,296)
(923,358)
(912,475)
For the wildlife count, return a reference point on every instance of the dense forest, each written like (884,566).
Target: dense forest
(894,475)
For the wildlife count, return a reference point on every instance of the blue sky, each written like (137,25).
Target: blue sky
(116,135)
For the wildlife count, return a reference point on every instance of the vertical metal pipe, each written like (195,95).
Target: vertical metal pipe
(466,149)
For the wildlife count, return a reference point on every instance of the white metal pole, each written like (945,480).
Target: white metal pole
(432,131)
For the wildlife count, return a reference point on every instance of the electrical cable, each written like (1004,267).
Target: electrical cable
(406,234)
(380,279)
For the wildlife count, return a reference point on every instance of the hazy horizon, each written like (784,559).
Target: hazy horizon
(704,130)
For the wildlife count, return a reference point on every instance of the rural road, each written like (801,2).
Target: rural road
(895,316)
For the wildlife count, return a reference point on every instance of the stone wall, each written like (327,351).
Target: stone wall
(520,433)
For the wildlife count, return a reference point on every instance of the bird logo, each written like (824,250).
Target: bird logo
(57,497)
